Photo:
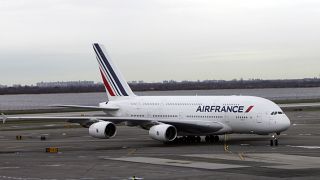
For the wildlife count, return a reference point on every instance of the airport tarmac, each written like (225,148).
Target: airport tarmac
(133,153)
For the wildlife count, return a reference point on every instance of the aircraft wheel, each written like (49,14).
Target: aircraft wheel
(189,139)
(198,139)
(183,139)
(212,139)
(192,139)
(207,139)
(276,142)
(216,138)
(271,142)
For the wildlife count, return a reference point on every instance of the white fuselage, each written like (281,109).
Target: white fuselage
(237,114)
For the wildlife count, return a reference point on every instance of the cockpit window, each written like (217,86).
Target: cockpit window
(276,112)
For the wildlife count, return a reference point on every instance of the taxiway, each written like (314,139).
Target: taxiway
(133,153)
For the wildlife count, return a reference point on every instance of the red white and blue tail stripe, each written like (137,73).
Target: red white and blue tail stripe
(112,78)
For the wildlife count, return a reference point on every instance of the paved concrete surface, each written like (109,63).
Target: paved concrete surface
(133,153)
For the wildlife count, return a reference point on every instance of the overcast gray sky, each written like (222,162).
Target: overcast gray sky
(154,40)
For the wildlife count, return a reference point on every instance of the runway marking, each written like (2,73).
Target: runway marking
(281,161)
(53,165)
(14,147)
(22,178)
(134,178)
(131,151)
(305,134)
(50,125)
(9,167)
(305,124)
(178,163)
(241,155)
(244,144)
(306,147)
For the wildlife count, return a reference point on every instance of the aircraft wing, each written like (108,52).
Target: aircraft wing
(192,126)
(111,108)
(71,119)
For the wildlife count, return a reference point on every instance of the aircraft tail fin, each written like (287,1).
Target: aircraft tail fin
(113,80)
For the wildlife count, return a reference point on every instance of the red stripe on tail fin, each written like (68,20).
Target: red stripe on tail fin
(106,84)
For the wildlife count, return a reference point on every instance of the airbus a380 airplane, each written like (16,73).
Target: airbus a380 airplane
(169,117)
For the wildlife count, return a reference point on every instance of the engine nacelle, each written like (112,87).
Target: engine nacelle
(103,130)
(163,132)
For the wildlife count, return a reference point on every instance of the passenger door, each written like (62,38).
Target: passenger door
(272,120)
(261,124)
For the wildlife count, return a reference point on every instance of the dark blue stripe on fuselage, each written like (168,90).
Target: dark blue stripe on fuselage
(111,70)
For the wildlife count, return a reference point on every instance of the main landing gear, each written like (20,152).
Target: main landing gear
(187,140)
(194,140)
(274,139)
(212,139)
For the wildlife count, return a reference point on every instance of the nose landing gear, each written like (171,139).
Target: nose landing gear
(274,139)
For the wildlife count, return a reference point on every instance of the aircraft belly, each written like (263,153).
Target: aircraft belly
(193,129)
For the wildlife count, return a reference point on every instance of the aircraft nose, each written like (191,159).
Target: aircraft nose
(285,123)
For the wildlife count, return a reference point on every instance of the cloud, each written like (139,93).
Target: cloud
(183,36)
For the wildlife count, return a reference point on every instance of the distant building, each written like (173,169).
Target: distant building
(3,86)
(66,84)
(16,85)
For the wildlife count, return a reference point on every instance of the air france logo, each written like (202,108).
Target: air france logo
(234,109)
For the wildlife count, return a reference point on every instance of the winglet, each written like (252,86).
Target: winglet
(4,118)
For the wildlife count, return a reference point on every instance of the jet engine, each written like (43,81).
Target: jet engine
(103,130)
(163,132)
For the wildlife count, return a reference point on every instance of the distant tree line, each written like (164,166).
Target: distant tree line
(171,85)
(221,84)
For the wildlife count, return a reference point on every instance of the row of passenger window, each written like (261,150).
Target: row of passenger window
(137,115)
(170,115)
(152,104)
(168,104)
(165,115)
(241,117)
(231,104)
(183,104)
(193,116)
